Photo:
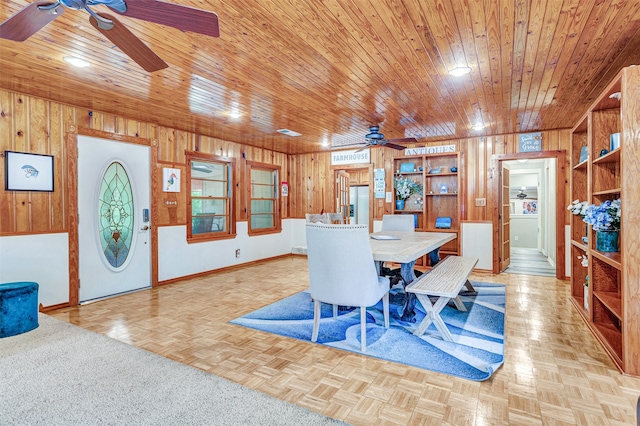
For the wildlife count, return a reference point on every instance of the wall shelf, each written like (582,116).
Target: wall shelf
(614,282)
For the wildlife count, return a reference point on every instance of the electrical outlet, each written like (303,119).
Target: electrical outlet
(481,202)
(237,252)
(515,238)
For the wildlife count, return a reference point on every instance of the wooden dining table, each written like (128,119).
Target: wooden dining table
(406,248)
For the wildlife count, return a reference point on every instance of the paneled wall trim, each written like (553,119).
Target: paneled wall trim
(31,124)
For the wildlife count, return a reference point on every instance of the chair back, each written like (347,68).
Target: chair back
(335,218)
(316,218)
(341,267)
(398,222)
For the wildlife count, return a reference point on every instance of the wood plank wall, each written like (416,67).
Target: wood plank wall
(32,124)
(313,174)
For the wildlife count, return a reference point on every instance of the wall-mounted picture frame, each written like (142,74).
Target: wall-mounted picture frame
(170,180)
(24,171)
(530,207)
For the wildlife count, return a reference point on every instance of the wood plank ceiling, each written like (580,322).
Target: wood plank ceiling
(329,69)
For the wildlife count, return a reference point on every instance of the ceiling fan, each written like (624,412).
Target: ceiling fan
(521,195)
(35,16)
(375,138)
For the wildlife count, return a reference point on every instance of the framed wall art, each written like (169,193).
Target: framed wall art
(170,180)
(28,172)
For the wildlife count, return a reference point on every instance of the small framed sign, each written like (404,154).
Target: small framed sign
(531,142)
(28,172)
(407,167)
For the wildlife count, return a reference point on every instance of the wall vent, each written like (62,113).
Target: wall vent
(289,132)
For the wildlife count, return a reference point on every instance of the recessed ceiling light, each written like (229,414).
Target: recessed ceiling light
(478,126)
(459,71)
(77,62)
(235,114)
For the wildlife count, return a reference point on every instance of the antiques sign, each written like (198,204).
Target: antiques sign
(430,150)
(352,156)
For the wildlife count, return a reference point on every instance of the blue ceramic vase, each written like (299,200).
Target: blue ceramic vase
(399,204)
(607,240)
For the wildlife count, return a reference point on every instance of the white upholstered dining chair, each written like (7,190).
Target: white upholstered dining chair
(398,222)
(316,218)
(342,272)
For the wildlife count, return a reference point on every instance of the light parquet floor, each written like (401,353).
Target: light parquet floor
(555,373)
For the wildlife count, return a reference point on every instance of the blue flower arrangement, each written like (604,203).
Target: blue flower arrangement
(406,187)
(605,216)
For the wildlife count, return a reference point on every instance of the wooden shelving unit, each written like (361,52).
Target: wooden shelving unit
(613,308)
(436,200)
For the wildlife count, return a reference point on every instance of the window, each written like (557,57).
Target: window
(264,207)
(210,209)
(115,215)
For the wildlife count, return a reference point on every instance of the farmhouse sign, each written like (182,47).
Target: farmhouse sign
(352,156)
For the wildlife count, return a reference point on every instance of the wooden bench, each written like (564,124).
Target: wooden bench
(444,281)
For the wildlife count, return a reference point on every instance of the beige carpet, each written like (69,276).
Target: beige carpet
(60,374)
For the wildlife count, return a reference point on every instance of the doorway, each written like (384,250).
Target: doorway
(354,194)
(114,241)
(532,202)
(552,226)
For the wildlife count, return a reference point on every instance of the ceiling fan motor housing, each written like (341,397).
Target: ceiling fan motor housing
(374,135)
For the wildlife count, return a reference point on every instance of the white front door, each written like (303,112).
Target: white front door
(114,218)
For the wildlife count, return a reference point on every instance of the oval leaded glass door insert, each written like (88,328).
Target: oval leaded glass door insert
(115,215)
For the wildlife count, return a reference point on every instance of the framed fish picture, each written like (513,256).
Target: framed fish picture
(28,172)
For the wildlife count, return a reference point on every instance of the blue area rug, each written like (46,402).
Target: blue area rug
(477,350)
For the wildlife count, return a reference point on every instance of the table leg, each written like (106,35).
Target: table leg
(406,270)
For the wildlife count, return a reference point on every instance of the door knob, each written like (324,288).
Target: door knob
(144,228)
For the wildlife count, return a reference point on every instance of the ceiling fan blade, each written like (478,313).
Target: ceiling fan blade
(28,21)
(394,146)
(173,15)
(363,148)
(402,140)
(131,45)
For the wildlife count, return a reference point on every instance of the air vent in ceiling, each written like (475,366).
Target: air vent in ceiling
(289,132)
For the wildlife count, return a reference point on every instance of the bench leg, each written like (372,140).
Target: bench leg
(459,305)
(433,315)
(469,286)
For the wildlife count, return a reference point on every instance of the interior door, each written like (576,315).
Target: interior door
(504,219)
(342,194)
(114,218)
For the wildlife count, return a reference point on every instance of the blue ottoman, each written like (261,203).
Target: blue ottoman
(18,308)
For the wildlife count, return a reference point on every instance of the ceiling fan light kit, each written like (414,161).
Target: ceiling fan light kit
(35,16)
